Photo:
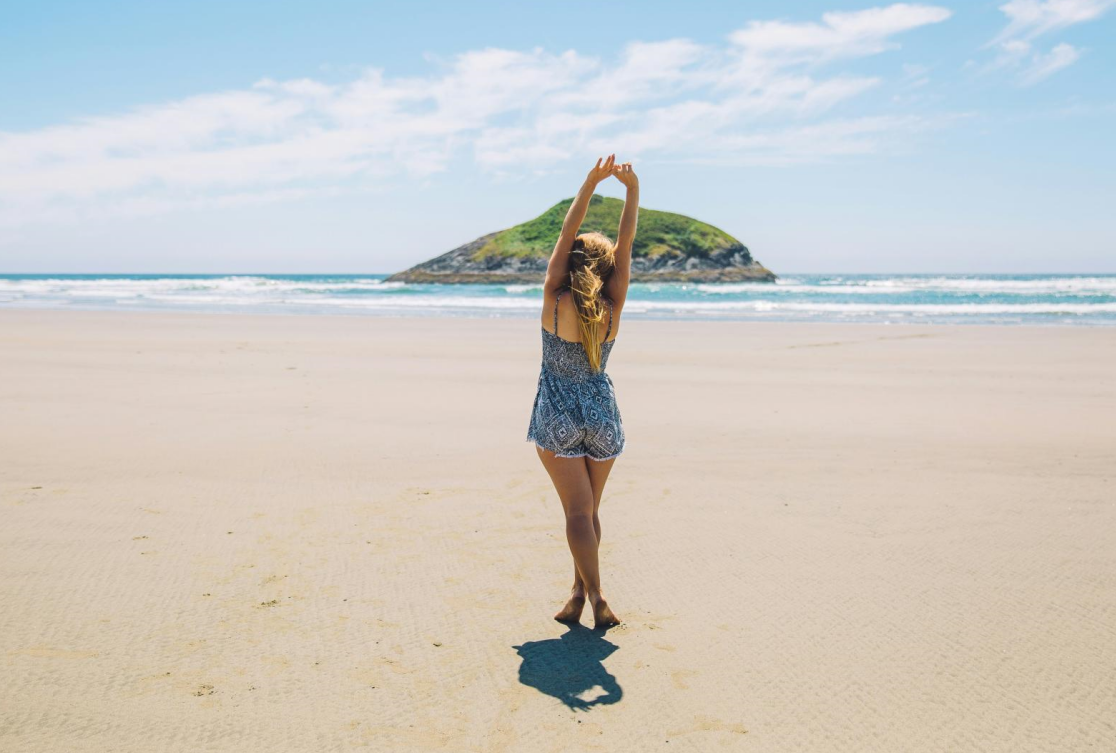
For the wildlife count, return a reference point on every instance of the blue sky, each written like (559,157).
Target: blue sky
(365,137)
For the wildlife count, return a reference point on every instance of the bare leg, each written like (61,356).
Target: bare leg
(598,475)
(571,478)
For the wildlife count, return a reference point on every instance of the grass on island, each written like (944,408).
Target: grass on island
(659,232)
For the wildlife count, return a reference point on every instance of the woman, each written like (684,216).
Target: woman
(575,423)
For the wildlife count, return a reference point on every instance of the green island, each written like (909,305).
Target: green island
(668,247)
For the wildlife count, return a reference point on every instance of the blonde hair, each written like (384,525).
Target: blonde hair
(592,259)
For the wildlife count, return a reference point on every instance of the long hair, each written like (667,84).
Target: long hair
(592,259)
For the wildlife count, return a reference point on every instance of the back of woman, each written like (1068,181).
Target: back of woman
(575,421)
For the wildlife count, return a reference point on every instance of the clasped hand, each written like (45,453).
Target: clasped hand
(607,166)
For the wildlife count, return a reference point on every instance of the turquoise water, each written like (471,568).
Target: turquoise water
(895,299)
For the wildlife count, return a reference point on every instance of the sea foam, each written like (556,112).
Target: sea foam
(989,299)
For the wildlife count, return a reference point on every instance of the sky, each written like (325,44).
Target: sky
(349,137)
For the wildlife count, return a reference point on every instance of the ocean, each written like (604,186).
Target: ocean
(892,299)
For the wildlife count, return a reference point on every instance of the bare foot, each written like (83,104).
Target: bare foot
(572,611)
(603,615)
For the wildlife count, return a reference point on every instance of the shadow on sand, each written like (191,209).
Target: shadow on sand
(569,668)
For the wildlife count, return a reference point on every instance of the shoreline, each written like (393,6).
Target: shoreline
(520,316)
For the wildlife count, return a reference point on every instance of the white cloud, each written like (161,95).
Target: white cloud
(1042,66)
(1010,54)
(840,34)
(762,97)
(1030,18)
(645,69)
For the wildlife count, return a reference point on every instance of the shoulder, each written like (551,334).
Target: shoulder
(552,299)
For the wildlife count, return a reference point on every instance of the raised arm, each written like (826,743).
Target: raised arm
(558,268)
(617,286)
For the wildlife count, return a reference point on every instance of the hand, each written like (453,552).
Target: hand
(601,171)
(626,175)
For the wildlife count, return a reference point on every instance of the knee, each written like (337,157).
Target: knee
(580,518)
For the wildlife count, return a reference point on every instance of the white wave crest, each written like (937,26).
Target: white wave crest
(907,297)
(870,308)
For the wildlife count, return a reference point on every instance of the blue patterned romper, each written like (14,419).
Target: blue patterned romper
(575,413)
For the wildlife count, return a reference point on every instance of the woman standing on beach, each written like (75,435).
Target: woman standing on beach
(575,423)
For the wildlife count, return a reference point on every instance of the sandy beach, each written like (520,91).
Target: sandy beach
(319,533)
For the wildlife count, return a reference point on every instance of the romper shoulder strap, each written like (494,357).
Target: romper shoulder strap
(556,311)
(609,331)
